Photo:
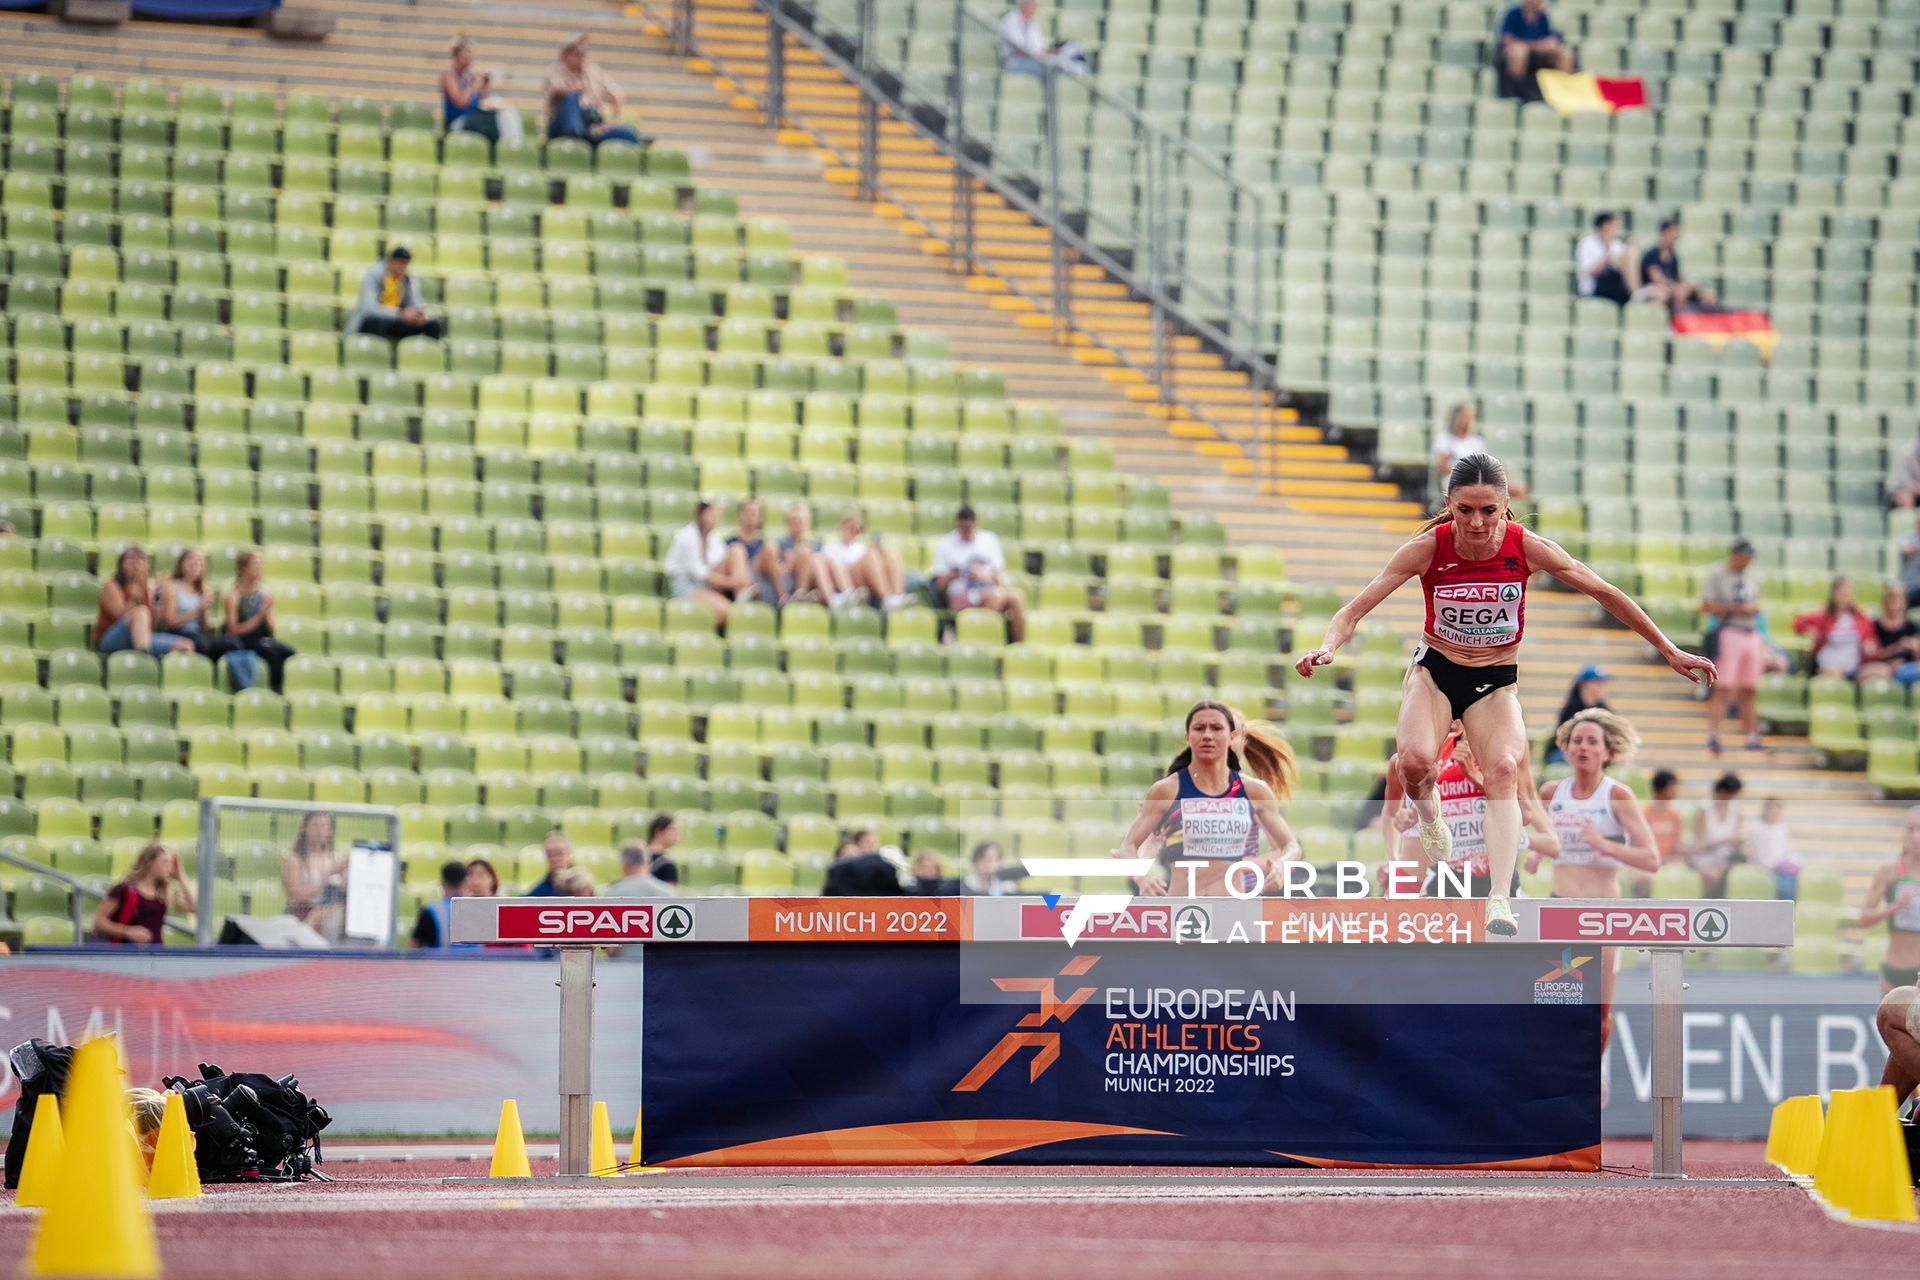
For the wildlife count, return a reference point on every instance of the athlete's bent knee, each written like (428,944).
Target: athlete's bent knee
(1894,1012)
(1501,773)
(1415,766)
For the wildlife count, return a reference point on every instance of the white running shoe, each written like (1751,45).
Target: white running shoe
(1435,837)
(1500,921)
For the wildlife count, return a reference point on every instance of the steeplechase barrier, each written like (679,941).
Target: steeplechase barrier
(1363,1032)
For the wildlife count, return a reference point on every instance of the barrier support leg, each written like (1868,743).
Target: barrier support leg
(1668,1074)
(576,1057)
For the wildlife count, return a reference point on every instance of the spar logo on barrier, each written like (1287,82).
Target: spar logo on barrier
(1156,923)
(1029,1032)
(1628,925)
(564,922)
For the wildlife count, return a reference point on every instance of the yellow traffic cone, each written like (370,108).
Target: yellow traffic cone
(634,1162)
(1884,1190)
(176,1175)
(601,1161)
(510,1145)
(1803,1139)
(41,1170)
(1827,1167)
(96,1224)
(1777,1128)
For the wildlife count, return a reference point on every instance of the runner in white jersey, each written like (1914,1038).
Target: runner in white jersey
(1207,811)
(1600,824)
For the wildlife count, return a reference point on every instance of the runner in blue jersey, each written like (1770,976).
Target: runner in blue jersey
(1206,810)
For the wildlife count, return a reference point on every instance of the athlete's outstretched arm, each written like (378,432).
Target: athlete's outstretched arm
(1408,562)
(1533,810)
(1550,557)
(1152,809)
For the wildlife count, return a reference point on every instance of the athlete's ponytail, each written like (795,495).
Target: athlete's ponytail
(1270,759)
(1474,468)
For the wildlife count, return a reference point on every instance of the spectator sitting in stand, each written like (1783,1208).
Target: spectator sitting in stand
(1025,49)
(1770,846)
(738,576)
(391,304)
(1667,821)
(571,882)
(1529,43)
(180,603)
(125,619)
(663,836)
(637,879)
(863,874)
(1731,601)
(970,572)
(433,927)
(870,565)
(1660,267)
(249,629)
(559,851)
(694,557)
(984,879)
(134,912)
(1841,632)
(864,840)
(468,101)
(314,876)
(1894,649)
(1588,689)
(931,878)
(795,566)
(1903,486)
(1604,265)
(581,102)
(1719,840)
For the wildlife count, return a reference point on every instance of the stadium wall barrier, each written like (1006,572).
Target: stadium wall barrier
(420,1046)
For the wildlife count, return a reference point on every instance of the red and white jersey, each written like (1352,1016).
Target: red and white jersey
(1477,604)
(1463,807)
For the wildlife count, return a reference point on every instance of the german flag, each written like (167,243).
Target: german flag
(1722,327)
(1569,93)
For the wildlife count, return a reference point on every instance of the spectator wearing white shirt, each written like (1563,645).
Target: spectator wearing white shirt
(1604,263)
(696,551)
(1025,49)
(970,572)
(868,564)
(1458,440)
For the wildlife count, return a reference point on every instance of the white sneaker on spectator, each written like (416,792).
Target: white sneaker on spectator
(899,601)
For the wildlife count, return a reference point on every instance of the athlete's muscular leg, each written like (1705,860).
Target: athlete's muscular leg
(1897,1023)
(1499,740)
(1424,717)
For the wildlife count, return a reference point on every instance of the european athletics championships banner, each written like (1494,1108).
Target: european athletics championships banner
(1120,1052)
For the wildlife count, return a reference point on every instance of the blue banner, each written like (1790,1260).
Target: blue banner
(203,10)
(1121,1053)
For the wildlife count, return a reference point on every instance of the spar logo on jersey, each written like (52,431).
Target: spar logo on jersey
(1031,1031)
(1624,925)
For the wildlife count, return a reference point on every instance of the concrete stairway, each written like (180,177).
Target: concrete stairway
(1337,531)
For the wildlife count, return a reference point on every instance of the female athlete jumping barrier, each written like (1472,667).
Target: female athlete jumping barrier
(1207,810)
(1473,561)
(1894,897)
(1463,808)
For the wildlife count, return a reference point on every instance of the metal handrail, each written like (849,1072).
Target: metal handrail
(1153,285)
(75,890)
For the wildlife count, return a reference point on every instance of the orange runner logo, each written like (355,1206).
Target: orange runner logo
(1045,1044)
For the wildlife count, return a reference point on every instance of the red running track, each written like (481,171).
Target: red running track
(398,1220)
